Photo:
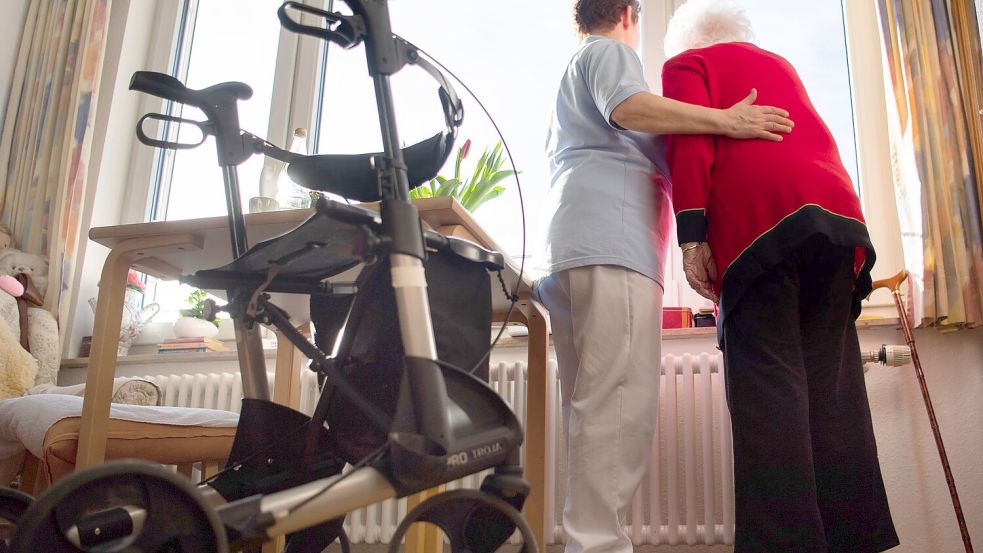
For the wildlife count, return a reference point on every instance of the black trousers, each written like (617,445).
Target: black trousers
(806,472)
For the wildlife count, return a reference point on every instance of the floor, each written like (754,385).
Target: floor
(559,549)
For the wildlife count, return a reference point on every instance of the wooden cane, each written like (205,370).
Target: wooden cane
(894,284)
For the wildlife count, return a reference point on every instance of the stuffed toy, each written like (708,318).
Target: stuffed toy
(6,238)
(14,262)
(20,368)
(24,278)
(11,286)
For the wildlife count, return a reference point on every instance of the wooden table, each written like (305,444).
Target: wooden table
(168,249)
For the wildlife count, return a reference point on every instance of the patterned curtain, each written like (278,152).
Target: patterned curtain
(47,134)
(936,90)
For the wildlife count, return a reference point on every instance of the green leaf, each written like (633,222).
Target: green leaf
(475,191)
(478,199)
(448,187)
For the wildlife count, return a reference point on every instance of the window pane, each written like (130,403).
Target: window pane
(512,63)
(233,41)
(812,36)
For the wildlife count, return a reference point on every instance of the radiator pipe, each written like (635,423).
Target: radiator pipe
(894,284)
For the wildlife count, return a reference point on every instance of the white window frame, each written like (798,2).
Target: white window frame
(292,106)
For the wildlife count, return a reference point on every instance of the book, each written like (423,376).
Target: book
(204,347)
(191,347)
(191,340)
(177,345)
(182,350)
(209,344)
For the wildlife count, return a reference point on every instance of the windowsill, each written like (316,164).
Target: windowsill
(505,341)
(164,358)
(708,332)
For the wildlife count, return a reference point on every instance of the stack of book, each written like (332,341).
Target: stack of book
(190,345)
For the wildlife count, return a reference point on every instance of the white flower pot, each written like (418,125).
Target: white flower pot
(190,327)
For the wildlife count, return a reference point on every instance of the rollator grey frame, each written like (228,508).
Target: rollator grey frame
(447,423)
(325,499)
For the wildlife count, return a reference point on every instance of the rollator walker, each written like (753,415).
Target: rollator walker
(407,408)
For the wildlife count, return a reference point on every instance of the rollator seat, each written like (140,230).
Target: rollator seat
(319,248)
(354,176)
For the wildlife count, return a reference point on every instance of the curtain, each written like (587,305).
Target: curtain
(934,94)
(47,135)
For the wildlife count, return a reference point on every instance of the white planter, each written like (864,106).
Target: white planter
(190,327)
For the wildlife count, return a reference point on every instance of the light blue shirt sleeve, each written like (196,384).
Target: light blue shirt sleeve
(613,73)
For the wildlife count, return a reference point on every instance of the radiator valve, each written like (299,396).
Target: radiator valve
(888,355)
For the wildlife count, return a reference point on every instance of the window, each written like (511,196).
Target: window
(299,82)
(812,36)
(220,45)
(479,41)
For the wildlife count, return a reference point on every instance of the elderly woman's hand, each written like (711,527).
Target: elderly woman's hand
(746,120)
(700,269)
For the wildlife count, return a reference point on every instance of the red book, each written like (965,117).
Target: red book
(677,317)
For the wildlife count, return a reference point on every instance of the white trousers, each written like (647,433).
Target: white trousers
(607,333)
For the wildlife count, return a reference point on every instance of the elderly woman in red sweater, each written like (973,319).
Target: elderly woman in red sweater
(773,232)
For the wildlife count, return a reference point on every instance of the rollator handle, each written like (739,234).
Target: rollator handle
(167,87)
(347,32)
(218,102)
(382,55)
(203,127)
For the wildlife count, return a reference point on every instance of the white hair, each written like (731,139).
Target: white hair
(702,23)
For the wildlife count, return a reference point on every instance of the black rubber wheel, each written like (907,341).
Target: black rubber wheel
(472,520)
(12,506)
(129,506)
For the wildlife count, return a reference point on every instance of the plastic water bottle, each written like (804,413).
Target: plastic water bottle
(289,194)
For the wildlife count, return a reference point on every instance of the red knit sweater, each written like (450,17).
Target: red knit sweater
(755,201)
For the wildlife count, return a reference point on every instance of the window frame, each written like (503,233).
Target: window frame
(295,104)
(295,91)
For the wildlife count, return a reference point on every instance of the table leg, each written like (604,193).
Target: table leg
(105,339)
(423,537)
(538,410)
(289,361)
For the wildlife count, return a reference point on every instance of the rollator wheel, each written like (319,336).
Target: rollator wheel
(12,506)
(122,506)
(473,521)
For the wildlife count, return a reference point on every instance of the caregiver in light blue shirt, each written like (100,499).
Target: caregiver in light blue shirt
(610,221)
(605,208)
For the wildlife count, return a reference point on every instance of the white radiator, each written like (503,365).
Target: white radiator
(223,390)
(686,497)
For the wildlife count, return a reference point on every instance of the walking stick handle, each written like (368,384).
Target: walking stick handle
(892,283)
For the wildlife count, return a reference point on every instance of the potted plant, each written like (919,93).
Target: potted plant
(483,185)
(192,322)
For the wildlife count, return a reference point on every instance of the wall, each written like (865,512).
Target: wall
(913,476)
(916,487)
(11,25)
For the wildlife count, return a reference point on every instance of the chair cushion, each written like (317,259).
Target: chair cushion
(171,434)
(167,444)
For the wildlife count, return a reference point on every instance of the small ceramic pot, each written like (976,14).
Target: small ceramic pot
(190,327)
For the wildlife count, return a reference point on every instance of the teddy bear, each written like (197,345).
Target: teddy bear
(39,344)
(20,368)
(14,262)
(6,237)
